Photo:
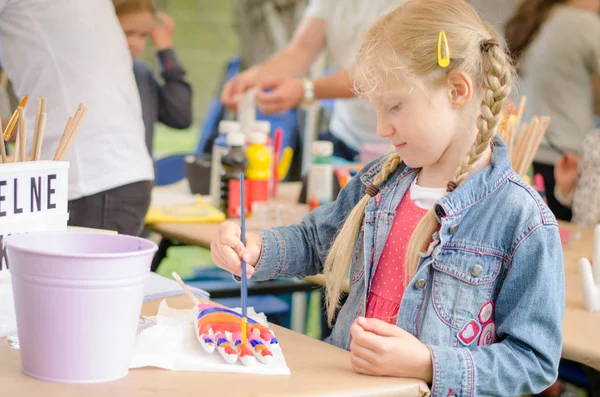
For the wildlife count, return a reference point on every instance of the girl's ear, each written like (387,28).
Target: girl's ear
(460,90)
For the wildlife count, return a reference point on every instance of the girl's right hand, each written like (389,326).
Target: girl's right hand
(227,249)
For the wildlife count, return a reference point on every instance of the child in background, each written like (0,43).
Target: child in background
(170,102)
(455,263)
(578,182)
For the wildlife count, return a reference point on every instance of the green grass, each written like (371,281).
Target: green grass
(183,260)
(168,140)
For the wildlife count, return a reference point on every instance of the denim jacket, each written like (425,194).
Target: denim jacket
(488,295)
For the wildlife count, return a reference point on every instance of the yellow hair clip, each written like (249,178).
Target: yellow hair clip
(444,60)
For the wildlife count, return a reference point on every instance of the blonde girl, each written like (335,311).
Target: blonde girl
(455,265)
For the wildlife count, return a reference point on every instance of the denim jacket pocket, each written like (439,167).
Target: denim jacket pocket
(462,283)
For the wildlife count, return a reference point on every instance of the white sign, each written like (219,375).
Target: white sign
(33,196)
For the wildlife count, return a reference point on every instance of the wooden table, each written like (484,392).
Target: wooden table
(317,369)
(201,234)
(581,329)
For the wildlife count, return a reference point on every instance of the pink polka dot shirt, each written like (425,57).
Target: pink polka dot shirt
(387,287)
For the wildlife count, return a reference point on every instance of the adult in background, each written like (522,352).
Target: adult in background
(74,53)
(335,26)
(556,45)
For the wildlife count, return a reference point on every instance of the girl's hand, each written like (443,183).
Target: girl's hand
(162,33)
(566,173)
(227,249)
(383,349)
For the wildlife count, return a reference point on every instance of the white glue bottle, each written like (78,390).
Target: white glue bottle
(320,176)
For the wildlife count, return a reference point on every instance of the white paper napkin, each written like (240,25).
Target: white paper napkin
(171,344)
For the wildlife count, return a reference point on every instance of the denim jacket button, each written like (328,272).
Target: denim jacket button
(453,229)
(476,270)
(420,283)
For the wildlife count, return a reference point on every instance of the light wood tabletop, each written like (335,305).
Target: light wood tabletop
(317,369)
(581,329)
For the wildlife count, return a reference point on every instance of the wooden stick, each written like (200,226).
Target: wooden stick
(539,135)
(529,148)
(40,125)
(509,133)
(3,80)
(517,124)
(63,138)
(17,148)
(36,126)
(67,133)
(2,146)
(22,134)
(185,288)
(38,145)
(73,132)
(521,110)
(522,145)
(525,145)
(514,158)
(24,141)
(514,128)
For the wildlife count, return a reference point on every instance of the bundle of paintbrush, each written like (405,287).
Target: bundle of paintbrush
(20,134)
(523,146)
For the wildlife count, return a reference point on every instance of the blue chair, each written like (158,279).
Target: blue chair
(274,308)
(220,285)
(287,121)
(169,169)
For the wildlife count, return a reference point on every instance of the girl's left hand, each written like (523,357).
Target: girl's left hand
(383,349)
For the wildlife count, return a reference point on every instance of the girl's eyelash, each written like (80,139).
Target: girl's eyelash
(395,108)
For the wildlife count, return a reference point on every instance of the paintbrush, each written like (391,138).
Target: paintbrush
(244,274)
(14,119)
(188,292)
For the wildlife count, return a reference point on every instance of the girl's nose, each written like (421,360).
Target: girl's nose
(385,129)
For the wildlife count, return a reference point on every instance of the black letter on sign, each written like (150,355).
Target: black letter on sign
(36,193)
(16,206)
(51,191)
(2,198)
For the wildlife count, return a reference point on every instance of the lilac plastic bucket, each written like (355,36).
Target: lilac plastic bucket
(78,298)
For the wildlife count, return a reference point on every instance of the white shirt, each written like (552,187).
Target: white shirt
(425,197)
(354,121)
(72,52)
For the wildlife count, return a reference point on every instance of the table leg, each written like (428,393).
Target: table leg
(298,311)
(161,253)
(593,378)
